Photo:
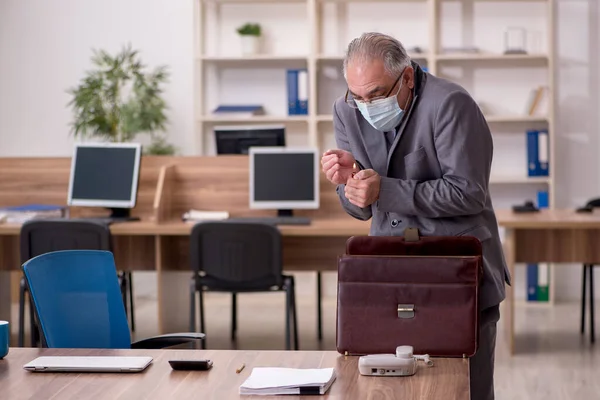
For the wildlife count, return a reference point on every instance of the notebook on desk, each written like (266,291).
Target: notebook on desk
(293,381)
(88,364)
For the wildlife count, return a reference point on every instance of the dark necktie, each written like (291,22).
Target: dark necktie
(389,139)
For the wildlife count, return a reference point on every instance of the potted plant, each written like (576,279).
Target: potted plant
(119,99)
(250,34)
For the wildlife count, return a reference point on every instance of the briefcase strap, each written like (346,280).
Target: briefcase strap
(411,235)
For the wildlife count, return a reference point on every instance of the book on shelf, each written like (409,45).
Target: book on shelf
(288,381)
(238,111)
(297,91)
(538,102)
(538,152)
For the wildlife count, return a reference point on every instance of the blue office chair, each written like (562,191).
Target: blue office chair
(78,303)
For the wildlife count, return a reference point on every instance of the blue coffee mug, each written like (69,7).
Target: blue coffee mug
(4,338)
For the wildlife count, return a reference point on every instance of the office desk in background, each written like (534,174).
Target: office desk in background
(448,379)
(552,236)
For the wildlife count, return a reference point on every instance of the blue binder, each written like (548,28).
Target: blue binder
(543,152)
(292,91)
(532,282)
(532,153)
(297,89)
(538,152)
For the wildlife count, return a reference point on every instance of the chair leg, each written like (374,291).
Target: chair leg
(583,299)
(201,312)
(22,290)
(294,314)
(35,337)
(123,288)
(288,308)
(192,306)
(592,330)
(130,289)
(233,316)
(319,308)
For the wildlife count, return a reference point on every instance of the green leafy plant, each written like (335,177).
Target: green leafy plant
(119,99)
(249,29)
(160,147)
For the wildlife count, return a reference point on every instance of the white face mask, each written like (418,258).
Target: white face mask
(383,114)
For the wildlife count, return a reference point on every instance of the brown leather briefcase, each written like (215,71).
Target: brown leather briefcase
(411,290)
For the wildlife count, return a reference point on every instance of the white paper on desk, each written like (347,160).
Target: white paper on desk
(265,380)
(197,215)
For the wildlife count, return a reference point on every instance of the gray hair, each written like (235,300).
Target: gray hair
(372,46)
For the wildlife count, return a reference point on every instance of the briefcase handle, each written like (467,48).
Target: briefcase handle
(411,235)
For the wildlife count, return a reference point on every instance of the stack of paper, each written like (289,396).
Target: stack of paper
(198,215)
(275,381)
(24,213)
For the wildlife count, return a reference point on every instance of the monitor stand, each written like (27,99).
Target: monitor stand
(116,215)
(121,215)
(285,213)
(286,217)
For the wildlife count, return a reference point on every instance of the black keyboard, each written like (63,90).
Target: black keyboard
(274,220)
(107,220)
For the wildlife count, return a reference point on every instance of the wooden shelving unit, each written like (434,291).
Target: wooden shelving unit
(323,29)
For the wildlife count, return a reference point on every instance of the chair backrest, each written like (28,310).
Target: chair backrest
(44,236)
(237,253)
(77,299)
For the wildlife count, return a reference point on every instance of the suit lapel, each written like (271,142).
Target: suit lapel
(375,145)
(400,132)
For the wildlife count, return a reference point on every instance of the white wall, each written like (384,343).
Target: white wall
(45,46)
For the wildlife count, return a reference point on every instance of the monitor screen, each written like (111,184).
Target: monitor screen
(238,139)
(105,175)
(284,178)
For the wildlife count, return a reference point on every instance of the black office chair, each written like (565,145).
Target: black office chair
(588,269)
(43,236)
(239,257)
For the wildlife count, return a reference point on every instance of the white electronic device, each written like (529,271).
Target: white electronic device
(403,363)
(88,364)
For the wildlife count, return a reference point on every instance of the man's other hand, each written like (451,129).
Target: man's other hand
(362,189)
(338,166)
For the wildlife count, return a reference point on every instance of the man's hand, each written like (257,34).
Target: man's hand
(362,190)
(338,166)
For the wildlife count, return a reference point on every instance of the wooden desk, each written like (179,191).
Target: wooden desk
(552,236)
(448,379)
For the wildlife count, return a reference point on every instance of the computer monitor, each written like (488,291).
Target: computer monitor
(238,139)
(284,178)
(105,175)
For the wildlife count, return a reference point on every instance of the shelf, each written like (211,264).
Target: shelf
(518,179)
(514,118)
(340,57)
(257,119)
(254,59)
(251,1)
(371,1)
(491,57)
(325,118)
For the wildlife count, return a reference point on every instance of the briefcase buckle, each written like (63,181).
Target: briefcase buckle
(406,311)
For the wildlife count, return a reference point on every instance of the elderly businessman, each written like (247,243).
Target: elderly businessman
(421,152)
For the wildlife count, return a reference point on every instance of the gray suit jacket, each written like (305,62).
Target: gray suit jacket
(435,177)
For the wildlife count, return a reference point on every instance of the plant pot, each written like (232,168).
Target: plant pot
(250,44)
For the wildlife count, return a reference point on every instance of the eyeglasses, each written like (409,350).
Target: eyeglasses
(351,101)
